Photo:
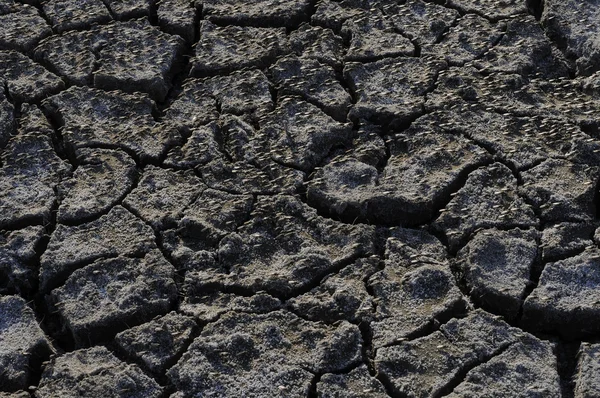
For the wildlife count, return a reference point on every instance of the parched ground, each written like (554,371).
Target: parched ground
(299,198)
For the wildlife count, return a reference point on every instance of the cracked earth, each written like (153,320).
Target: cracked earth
(299,198)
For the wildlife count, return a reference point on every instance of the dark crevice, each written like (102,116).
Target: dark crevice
(312,392)
(566,356)
(535,8)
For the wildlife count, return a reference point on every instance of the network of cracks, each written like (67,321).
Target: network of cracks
(299,198)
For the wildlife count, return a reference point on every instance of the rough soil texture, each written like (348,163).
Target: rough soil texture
(299,198)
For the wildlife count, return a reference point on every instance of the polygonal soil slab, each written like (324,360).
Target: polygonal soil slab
(161,195)
(229,48)
(332,14)
(233,156)
(25,80)
(95,372)
(488,199)
(22,28)
(574,24)
(358,383)
(158,343)
(264,355)
(415,289)
(566,299)
(125,9)
(497,267)
(391,90)
(96,118)
(117,233)
(315,42)
(528,367)
(424,23)
(107,57)
(68,15)
(315,82)
(429,365)
(245,92)
(372,36)
(109,296)
(17,256)
(300,135)
(561,190)
(103,178)
(178,17)
(208,306)
(424,165)
(8,124)
(30,172)
(256,12)
(566,239)
(469,39)
(23,345)
(524,49)
(283,247)
(491,10)
(588,368)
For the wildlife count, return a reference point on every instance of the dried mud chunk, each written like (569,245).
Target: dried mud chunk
(588,368)
(497,268)
(566,239)
(194,107)
(315,82)
(300,135)
(156,344)
(25,80)
(217,211)
(358,383)
(491,10)
(17,256)
(30,172)
(209,306)
(315,42)
(342,296)
(524,49)
(332,14)
(92,117)
(423,167)
(242,92)
(8,123)
(178,17)
(71,55)
(144,64)
(230,48)
(124,9)
(162,195)
(487,200)
(390,90)
(372,36)
(107,296)
(566,299)
(415,289)
(67,15)
(102,178)
(256,12)
(22,28)
(527,368)
(574,24)
(264,355)
(95,372)
(425,23)
(468,40)
(23,345)
(283,247)
(426,366)
(117,233)
(563,191)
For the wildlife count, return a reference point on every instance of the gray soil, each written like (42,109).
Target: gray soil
(299,198)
